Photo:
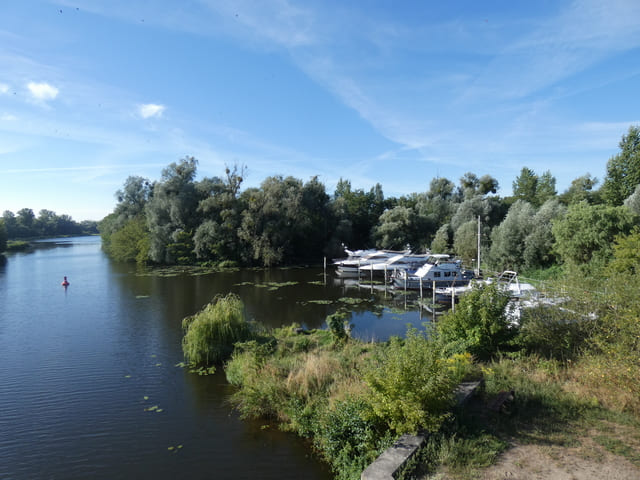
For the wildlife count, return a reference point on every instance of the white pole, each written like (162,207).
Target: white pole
(434,296)
(325,270)
(478,263)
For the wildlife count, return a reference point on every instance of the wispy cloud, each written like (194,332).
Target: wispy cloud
(42,91)
(110,167)
(4,88)
(278,21)
(578,37)
(150,110)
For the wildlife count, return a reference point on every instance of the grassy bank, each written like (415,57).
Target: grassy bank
(350,399)
(574,370)
(547,413)
(18,246)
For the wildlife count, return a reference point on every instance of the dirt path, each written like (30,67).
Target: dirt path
(588,461)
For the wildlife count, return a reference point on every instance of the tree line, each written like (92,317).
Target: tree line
(25,224)
(181,220)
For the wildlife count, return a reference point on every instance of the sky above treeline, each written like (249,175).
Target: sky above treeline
(395,93)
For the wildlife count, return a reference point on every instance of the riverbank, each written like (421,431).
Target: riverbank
(351,399)
(571,375)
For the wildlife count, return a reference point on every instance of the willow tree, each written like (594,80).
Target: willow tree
(171,212)
(586,233)
(508,238)
(623,169)
(216,238)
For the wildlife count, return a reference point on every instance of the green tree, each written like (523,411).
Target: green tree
(314,231)
(582,188)
(508,238)
(632,202)
(10,223)
(133,198)
(534,189)
(626,255)
(356,213)
(525,186)
(586,233)
(538,244)
(469,184)
(441,187)
(271,220)
(47,223)
(479,324)
(623,170)
(546,188)
(211,333)
(25,220)
(171,210)
(487,184)
(395,228)
(465,241)
(3,236)
(216,238)
(442,240)
(131,242)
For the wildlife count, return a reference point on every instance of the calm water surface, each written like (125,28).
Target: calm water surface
(79,368)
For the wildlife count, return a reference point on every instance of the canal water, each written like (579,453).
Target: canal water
(89,386)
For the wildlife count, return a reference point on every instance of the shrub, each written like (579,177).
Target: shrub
(211,334)
(552,333)
(339,326)
(349,437)
(479,325)
(411,385)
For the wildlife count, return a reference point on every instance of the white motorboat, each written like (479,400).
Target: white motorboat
(350,266)
(507,281)
(393,265)
(439,270)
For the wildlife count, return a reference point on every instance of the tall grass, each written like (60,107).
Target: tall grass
(334,390)
(211,333)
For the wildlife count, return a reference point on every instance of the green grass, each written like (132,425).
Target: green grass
(18,246)
(542,414)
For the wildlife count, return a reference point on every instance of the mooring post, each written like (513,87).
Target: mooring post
(433,290)
(325,271)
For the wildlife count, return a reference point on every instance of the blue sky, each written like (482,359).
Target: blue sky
(378,91)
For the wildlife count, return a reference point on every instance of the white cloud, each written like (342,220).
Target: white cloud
(4,88)
(42,91)
(151,110)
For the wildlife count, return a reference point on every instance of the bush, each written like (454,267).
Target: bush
(211,334)
(349,437)
(339,326)
(411,385)
(479,325)
(552,333)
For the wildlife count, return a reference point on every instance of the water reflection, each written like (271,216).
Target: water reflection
(76,366)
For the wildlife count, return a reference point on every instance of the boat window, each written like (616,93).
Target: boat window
(447,274)
(436,274)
